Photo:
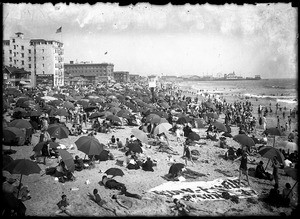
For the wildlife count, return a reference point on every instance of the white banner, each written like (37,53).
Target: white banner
(203,191)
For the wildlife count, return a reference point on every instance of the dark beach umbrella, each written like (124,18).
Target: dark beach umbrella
(270,152)
(210,105)
(244,139)
(176,168)
(96,115)
(274,132)
(35,113)
(6,159)
(220,126)
(114,172)
(67,159)
(123,113)
(61,112)
(103,156)
(58,131)
(20,123)
(194,136)
(11,134)
(89,145)
(105,113)
(153,118)
(21,100)
(19,109)
(135,147)
(55,102)
(139,134)
(89,108)
(183,120)
(114,110)
(212,115)
(39,146)
(68,105)
(114,118)
(23,167)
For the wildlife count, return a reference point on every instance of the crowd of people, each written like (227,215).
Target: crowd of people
(182,120)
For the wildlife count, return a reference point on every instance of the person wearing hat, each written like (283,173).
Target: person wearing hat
(260,171)
(148,165)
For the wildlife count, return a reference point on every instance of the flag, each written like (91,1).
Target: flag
(58,30)
(105,53)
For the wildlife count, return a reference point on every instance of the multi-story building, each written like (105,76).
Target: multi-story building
(40,57)
(94,72)
(121,76)
(134,78)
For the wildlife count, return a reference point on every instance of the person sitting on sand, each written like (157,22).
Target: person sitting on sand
(101,202)
(230,154)
(63,206)
(274,197)
(132,164)
(261,173)
(148,165)
(180,208)
(79,165)
(119,143)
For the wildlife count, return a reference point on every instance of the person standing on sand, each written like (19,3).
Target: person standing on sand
(243,166)
(264,120)
(187,153)
(275,165)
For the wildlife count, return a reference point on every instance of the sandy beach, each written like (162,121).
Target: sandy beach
(46,192)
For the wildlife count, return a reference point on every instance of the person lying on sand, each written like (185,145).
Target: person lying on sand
(113,184)
(101,202)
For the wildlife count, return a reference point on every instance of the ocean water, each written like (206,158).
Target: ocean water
(280,90)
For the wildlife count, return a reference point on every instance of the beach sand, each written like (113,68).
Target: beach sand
(46,192)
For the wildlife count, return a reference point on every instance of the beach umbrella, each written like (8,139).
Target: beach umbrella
(270,152)
(114,110)
(35,113)
(70,98)
(105,113)
(61,112)
(20,123)
(95,115)
(135,147)
(162,114)
(89,108)
(287,145)
(114,172)
(6,159)
(153,118)
(274,132)
(244,139)
(162,128)
(39,146)
(103,156)
(89,145)
(193,136)
(11,135)
(58,131)
(183,120)
(114,118)
(209,105)
(176,168)
(49,98)
(68,105)
(212,115)
(67,159)
(139,134)
(23,167)
(292,172)
(123,113)
(21,100)
(220,126)
(19,109)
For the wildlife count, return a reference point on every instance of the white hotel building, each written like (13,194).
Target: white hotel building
(38,56)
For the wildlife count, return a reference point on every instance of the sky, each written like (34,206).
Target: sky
(176,40)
